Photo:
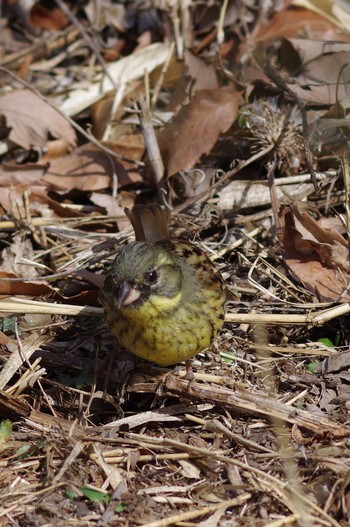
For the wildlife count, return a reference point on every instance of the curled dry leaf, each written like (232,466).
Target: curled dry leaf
(317,257)
(289,23)
(34,288)
(196,128)
(32,121)
(10,284)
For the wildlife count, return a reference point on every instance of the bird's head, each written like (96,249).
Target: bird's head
(146,271)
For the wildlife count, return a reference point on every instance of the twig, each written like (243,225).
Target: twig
(221,33)
(160,80)
(318,318)
(191,515)
(90,41)
(151,143)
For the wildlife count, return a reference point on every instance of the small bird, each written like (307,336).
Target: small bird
(163,298)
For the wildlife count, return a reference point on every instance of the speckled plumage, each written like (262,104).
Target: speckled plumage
(174,316)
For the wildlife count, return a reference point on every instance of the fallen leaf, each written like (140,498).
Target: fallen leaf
(292,22)
(12,258)
(109,203)
(87,168)
(18,287)
(317,257)
(32,121)
(196,128)
(12,175)
(45,18)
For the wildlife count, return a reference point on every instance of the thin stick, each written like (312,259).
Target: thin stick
(190,515)
(90,41)
(151,143)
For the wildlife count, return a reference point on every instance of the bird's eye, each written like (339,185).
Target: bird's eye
(151,277)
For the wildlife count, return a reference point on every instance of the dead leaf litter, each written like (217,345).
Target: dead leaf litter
(235,116)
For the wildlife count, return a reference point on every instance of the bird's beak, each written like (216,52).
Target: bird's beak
(127,295)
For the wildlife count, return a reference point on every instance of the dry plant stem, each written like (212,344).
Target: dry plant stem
(90,42)
(216,426)
(53,62)
(42,308)
(282,434)
(81,130)
(147,95)
(284,521)
(4,512)
(191,515)
(20,355)
(174,16)
(30,367)
(253,404)
(74,453)
(151,143)
(160,80)
(43,48)
(275,277)
(249,235)
(346,177)
(274,198)
(221,33)
(50,222)
(266,481)
(145,458)
(186,24)
(26,306)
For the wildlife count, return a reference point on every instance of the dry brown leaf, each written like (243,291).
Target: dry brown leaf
(292,22)
(197,126)
(11,344)
(19,287)
(311,49)
(334,83)
(41,16)
(12,257)
(87,168)
(54,149)
(317,257)
(109,203)
(203,75)
(32,121)
(130,146)
(11,285)
(334,363)
(12,175)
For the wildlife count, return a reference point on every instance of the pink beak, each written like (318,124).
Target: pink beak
(127,295)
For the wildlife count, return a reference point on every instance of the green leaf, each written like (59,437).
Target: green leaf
(95,495)
(5,431)
(227,357)
(120,507)
(23,451)
(83,379)
(70,494)
(312,366)
(9,325)
(326,342)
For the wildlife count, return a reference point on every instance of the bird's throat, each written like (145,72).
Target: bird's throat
(154,306)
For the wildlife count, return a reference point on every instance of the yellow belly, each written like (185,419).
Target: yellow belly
(169,339)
